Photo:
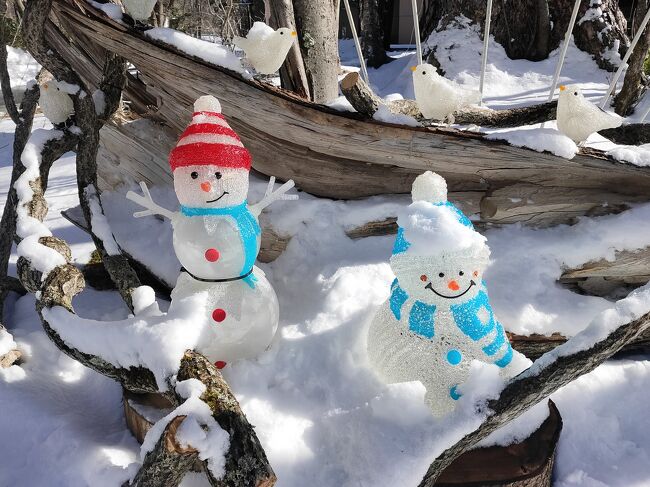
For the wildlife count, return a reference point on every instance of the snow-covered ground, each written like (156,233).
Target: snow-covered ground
(321,414)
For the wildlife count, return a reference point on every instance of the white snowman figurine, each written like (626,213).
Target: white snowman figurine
(217,235)
(438,317)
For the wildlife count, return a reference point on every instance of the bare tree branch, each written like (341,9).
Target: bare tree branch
(113,80)
(550,372)
(168,462)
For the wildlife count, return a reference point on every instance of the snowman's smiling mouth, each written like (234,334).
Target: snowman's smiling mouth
(430,287)
(217,199)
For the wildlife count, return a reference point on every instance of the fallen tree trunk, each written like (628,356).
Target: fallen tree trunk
(168,462)
(337,154)
(632,134)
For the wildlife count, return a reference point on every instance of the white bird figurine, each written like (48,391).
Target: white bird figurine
(578,118)
(139,10)
(266,48)
(55,103)
(436,96)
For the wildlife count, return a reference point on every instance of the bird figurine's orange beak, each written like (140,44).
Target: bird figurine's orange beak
(294,34)
(562,88)
(413,68)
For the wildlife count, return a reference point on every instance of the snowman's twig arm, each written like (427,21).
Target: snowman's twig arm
(147,202)
(271,196)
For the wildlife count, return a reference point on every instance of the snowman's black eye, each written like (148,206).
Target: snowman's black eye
(442,274)
(194,175)
(461,273)
(217,175)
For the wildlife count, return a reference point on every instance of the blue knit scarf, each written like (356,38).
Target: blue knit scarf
(422,319)
(248,228)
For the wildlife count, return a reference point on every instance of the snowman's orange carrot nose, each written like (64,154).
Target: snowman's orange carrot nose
(206,186)
(453,285)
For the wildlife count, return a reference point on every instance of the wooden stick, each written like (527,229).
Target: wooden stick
(168,462)
(621,66)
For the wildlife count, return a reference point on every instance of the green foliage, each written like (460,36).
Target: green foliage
(646,64)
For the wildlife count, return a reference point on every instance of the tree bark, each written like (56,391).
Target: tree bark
(636,81)
(89,122)
(168,462)
(316,24)
(246,462)
(601,34)
(535,384)
(372,34)
(292,73)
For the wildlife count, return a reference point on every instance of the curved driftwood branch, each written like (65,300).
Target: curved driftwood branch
(246,462)
(550,372)
(168,462)
(89,122)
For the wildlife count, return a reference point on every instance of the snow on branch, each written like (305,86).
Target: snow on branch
(605,336)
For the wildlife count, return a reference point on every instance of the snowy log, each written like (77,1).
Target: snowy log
(21,135)
(168,462)
(632,134)
(607,334)
(338,154)
(246,462)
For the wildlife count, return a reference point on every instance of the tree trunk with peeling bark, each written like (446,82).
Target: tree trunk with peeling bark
(636,81)
(372,34)
(531,29)
(292,73)
(317,27)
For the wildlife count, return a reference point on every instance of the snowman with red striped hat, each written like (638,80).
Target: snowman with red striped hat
(217,235)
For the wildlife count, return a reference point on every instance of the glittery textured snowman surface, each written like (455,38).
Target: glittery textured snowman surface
(217,236)
(438,318)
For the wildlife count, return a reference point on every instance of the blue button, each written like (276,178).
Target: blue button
(454,357)
(455,395)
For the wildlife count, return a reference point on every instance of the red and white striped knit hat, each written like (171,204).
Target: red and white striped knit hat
(209,140)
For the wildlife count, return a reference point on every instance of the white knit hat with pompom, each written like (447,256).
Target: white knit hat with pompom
(431,225)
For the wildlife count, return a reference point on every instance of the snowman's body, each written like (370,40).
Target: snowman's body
(438,355)
(240,321)
(212,246)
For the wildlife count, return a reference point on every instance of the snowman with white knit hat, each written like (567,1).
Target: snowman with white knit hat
(217,235)
(438,318)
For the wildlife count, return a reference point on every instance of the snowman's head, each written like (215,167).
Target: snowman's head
(445,279)
(209,162)
(438,257)
(210,186)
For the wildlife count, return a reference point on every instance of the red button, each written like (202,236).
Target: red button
(219,364)
(218,315)
(212,255)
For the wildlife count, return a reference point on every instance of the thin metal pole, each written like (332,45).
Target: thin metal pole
(645,114)
(362,62)
(612,85)
(416,29)
(486,39)
(565,46)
